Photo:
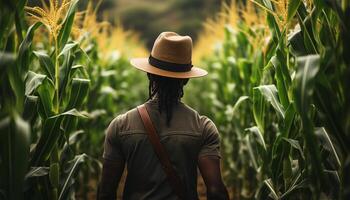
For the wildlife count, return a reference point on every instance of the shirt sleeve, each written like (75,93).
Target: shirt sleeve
(211,139)
(112,145)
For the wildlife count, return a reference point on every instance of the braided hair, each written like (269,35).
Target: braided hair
(169,92)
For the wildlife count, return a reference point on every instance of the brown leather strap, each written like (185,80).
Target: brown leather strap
(161,153)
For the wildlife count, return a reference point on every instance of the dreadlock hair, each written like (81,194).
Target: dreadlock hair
(169,92)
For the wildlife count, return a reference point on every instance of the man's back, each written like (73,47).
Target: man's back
(188,137)
(191,140)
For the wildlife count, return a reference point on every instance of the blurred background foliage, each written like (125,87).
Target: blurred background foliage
(149,18)
(152,17)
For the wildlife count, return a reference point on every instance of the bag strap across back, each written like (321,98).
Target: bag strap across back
(161,153)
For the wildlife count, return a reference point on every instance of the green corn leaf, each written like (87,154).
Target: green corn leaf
(54,172)
(6,60)
(50,134)
(46,92)
(30,107)
(287,171)
(276,147)
(273,192)
(257,133)
(286,126)
(15,80)
(79,92)
(18,22)
(307,69)
(251,152)
(65,69)
(20,4)
(327,143)
(73,139)
(13,91)
(37,172)
(292,9)
(274,27)
(281,82)
(70,121)
(33,81)
(309,40)
(270,94)
(297,183)
(73,112)
(25,49)
(14,154)
(79,68)
(328,104)
(282,56)
(259,107)
(240,100)
(46,63)
(316,172)
(295,144)
(326,33)
(267,6)
(69,47)
(245,66)
(17,73)
(288,121)
(67,24)
(74,166)
(95,113)
(7,18)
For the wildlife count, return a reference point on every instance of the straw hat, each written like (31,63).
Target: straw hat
(171,56)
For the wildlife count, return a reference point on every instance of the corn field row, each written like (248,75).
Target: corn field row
(64,76)
(280,80)
(278,89)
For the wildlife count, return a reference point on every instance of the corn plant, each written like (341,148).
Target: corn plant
(14,130)
(115,88)
(63,82)
(275,102)
(47,100)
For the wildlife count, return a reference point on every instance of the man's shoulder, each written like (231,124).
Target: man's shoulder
(189,110)
(122,121)
(203,120)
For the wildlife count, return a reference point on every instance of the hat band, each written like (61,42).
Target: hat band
(169,66)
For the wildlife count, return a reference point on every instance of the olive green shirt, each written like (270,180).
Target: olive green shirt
(188,137)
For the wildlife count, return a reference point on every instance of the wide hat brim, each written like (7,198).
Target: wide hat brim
(143,64)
